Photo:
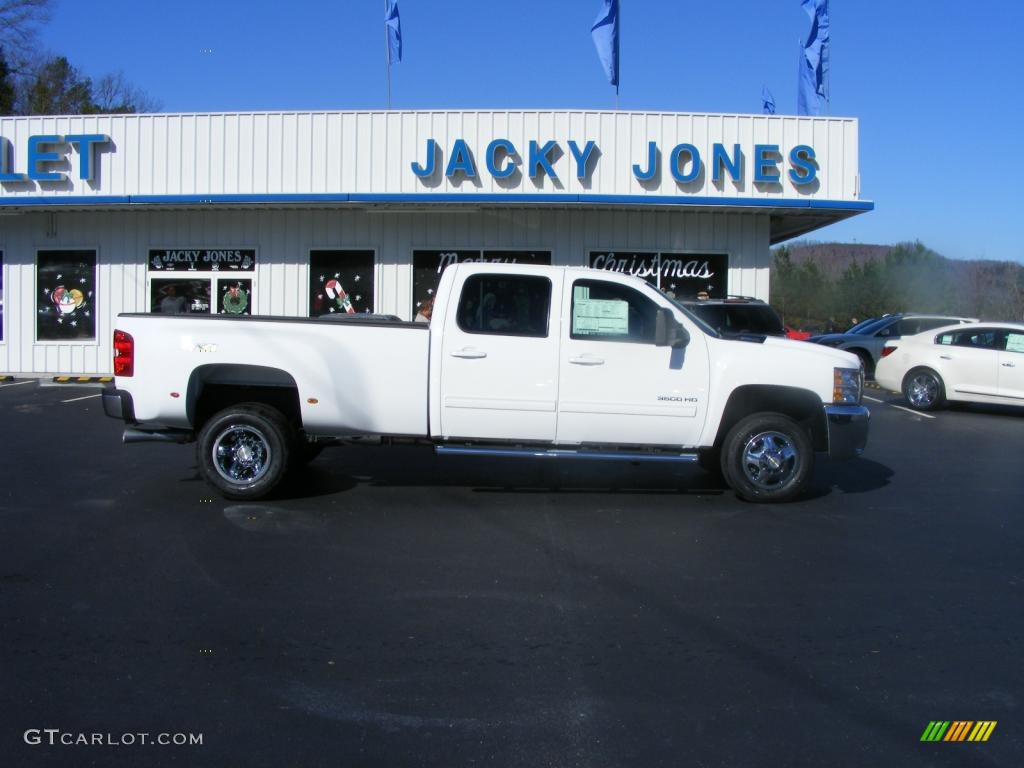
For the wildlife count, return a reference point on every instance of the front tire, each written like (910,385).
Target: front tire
(767,457)
(924,389)
(244,451)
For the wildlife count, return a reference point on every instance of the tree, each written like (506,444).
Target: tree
(7,92)
(113,94)
(19,23)
(58,88)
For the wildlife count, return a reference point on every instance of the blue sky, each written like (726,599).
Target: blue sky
(938,87)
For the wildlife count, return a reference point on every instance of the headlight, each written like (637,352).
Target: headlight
(847,385)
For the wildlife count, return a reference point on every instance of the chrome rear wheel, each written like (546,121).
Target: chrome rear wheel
(923,389)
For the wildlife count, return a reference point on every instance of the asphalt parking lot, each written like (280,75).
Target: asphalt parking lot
(396,608)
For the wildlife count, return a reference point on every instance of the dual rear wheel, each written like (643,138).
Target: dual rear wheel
(245,450)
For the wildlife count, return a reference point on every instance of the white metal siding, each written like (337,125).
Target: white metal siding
(371,152)
(284,237)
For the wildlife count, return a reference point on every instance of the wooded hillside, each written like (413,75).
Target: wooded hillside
(813,283)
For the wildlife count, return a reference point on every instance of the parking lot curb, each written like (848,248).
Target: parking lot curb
(82,379)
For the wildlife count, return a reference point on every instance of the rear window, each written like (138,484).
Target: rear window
(740,318)
(979,338)
(505,305)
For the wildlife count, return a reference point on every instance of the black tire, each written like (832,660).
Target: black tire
(767,457)
(924,390)
(244,451)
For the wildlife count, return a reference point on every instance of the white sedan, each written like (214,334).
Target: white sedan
(981,363)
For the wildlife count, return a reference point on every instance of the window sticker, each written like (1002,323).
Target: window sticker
(680,275)
(66,298)
(202,259)
(234,297)
(1015,342)
(592,317)
(340,282)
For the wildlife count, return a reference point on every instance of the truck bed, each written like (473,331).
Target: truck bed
(352,376)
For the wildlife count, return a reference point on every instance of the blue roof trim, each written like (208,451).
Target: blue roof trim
(677,200)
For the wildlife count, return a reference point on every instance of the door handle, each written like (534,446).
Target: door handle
(1008,365)
(587,360)
(945,357)
(469,353)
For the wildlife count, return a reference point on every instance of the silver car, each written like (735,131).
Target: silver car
(866,341)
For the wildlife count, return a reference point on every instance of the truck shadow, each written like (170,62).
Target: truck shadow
(851,476)
(342,469)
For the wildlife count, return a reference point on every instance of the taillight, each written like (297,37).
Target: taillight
(886,351)
(124,354)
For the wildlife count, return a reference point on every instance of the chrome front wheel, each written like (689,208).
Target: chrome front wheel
(769,460)
(767,457)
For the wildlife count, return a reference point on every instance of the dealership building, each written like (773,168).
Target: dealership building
(311,213)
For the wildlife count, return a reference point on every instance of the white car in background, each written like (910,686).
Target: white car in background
(981,363)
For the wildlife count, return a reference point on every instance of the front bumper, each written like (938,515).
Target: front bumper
(847,430)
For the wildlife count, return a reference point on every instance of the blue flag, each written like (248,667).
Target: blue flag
(394,28)
(606,39)
(767,101)
(812,88)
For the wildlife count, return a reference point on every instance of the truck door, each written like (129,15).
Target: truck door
(615,385)
(499,357)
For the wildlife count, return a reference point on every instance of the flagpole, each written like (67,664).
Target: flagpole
(618,59)
(387,52)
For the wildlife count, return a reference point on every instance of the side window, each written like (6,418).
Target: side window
(979,338)
(917,325)
(505,305)
(611,312)
(1014,342)
(927,323)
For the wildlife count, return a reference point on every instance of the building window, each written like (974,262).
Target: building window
(191,280)
(233,297)
(178,297)
(681,275)
(427,267)
(1,295)
(340,281)
(611,312)
(66,295)
(506,305)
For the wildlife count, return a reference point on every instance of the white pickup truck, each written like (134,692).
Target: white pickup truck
(517,360)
